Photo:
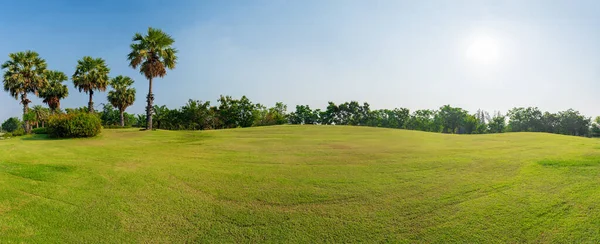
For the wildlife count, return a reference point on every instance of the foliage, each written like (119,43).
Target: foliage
(91,74)
(38,115)
(11,124)
(270,116)
(74,125)
(497,123)
(122,95)
(112,117)
(153,54)
(24,74)
(55,90)
(19,132)
(236,112)
(39,131)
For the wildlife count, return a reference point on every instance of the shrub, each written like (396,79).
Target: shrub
(74,125)
(39,131)
(19,132)
(7,135)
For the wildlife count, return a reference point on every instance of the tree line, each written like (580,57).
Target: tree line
(241,112)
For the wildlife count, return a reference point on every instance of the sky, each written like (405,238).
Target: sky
(491,55)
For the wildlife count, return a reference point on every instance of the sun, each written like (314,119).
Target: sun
(483,50)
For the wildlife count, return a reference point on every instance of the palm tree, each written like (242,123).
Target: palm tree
(55,90)
(122,95)
(154,55)
(40,114)
(24,74)
(91,74)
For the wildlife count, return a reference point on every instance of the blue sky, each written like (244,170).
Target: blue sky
(492,55)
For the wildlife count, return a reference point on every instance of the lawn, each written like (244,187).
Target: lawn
(300,184)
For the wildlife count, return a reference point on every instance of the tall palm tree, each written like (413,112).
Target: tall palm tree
(122,95)
(24,74)
(154,54)
(91,74)
(55,90)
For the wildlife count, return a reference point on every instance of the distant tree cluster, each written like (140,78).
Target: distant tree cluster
(448,119)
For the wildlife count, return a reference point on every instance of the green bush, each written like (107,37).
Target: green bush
(7,135)
(39,131)
(19,132)
(74,125)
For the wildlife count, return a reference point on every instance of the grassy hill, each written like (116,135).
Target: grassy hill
(300,184)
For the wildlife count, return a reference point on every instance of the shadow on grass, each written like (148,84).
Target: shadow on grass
(38,138)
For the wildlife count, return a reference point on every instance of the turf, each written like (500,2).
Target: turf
(300,184)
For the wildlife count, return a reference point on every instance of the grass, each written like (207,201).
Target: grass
(300,184)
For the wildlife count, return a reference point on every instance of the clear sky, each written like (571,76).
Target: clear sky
(492,55)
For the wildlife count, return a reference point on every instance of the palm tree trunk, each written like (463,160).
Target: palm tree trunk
(122,118)
(91,103)
(25,102)
(150,99)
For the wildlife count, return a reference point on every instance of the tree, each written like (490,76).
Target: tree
(303,115)
(196,115)
(11,124)
(39,114)
(91,74)
(154,54)
(573,123)
(497,124)
(424,120)
(140,121)
(161,113)
(54,90)
(122,95)
(24,74)
(525,119)
(451,118)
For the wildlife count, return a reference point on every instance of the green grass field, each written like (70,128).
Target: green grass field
(300,184)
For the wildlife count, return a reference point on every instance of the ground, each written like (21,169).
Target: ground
(300,184)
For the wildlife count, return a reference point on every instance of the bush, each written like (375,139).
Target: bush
(39,131)
(74,125)
(19,132)
(7,135)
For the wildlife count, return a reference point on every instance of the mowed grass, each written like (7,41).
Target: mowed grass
(300,184)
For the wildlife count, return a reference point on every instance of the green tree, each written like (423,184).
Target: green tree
(39,115)
(303,115)
(451,118)
(122,95)
(525,119)
(11,124)
(24,74)
(154,54)
(160,113)
(497,123)
(54,91)
(140,121)
(91,74)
